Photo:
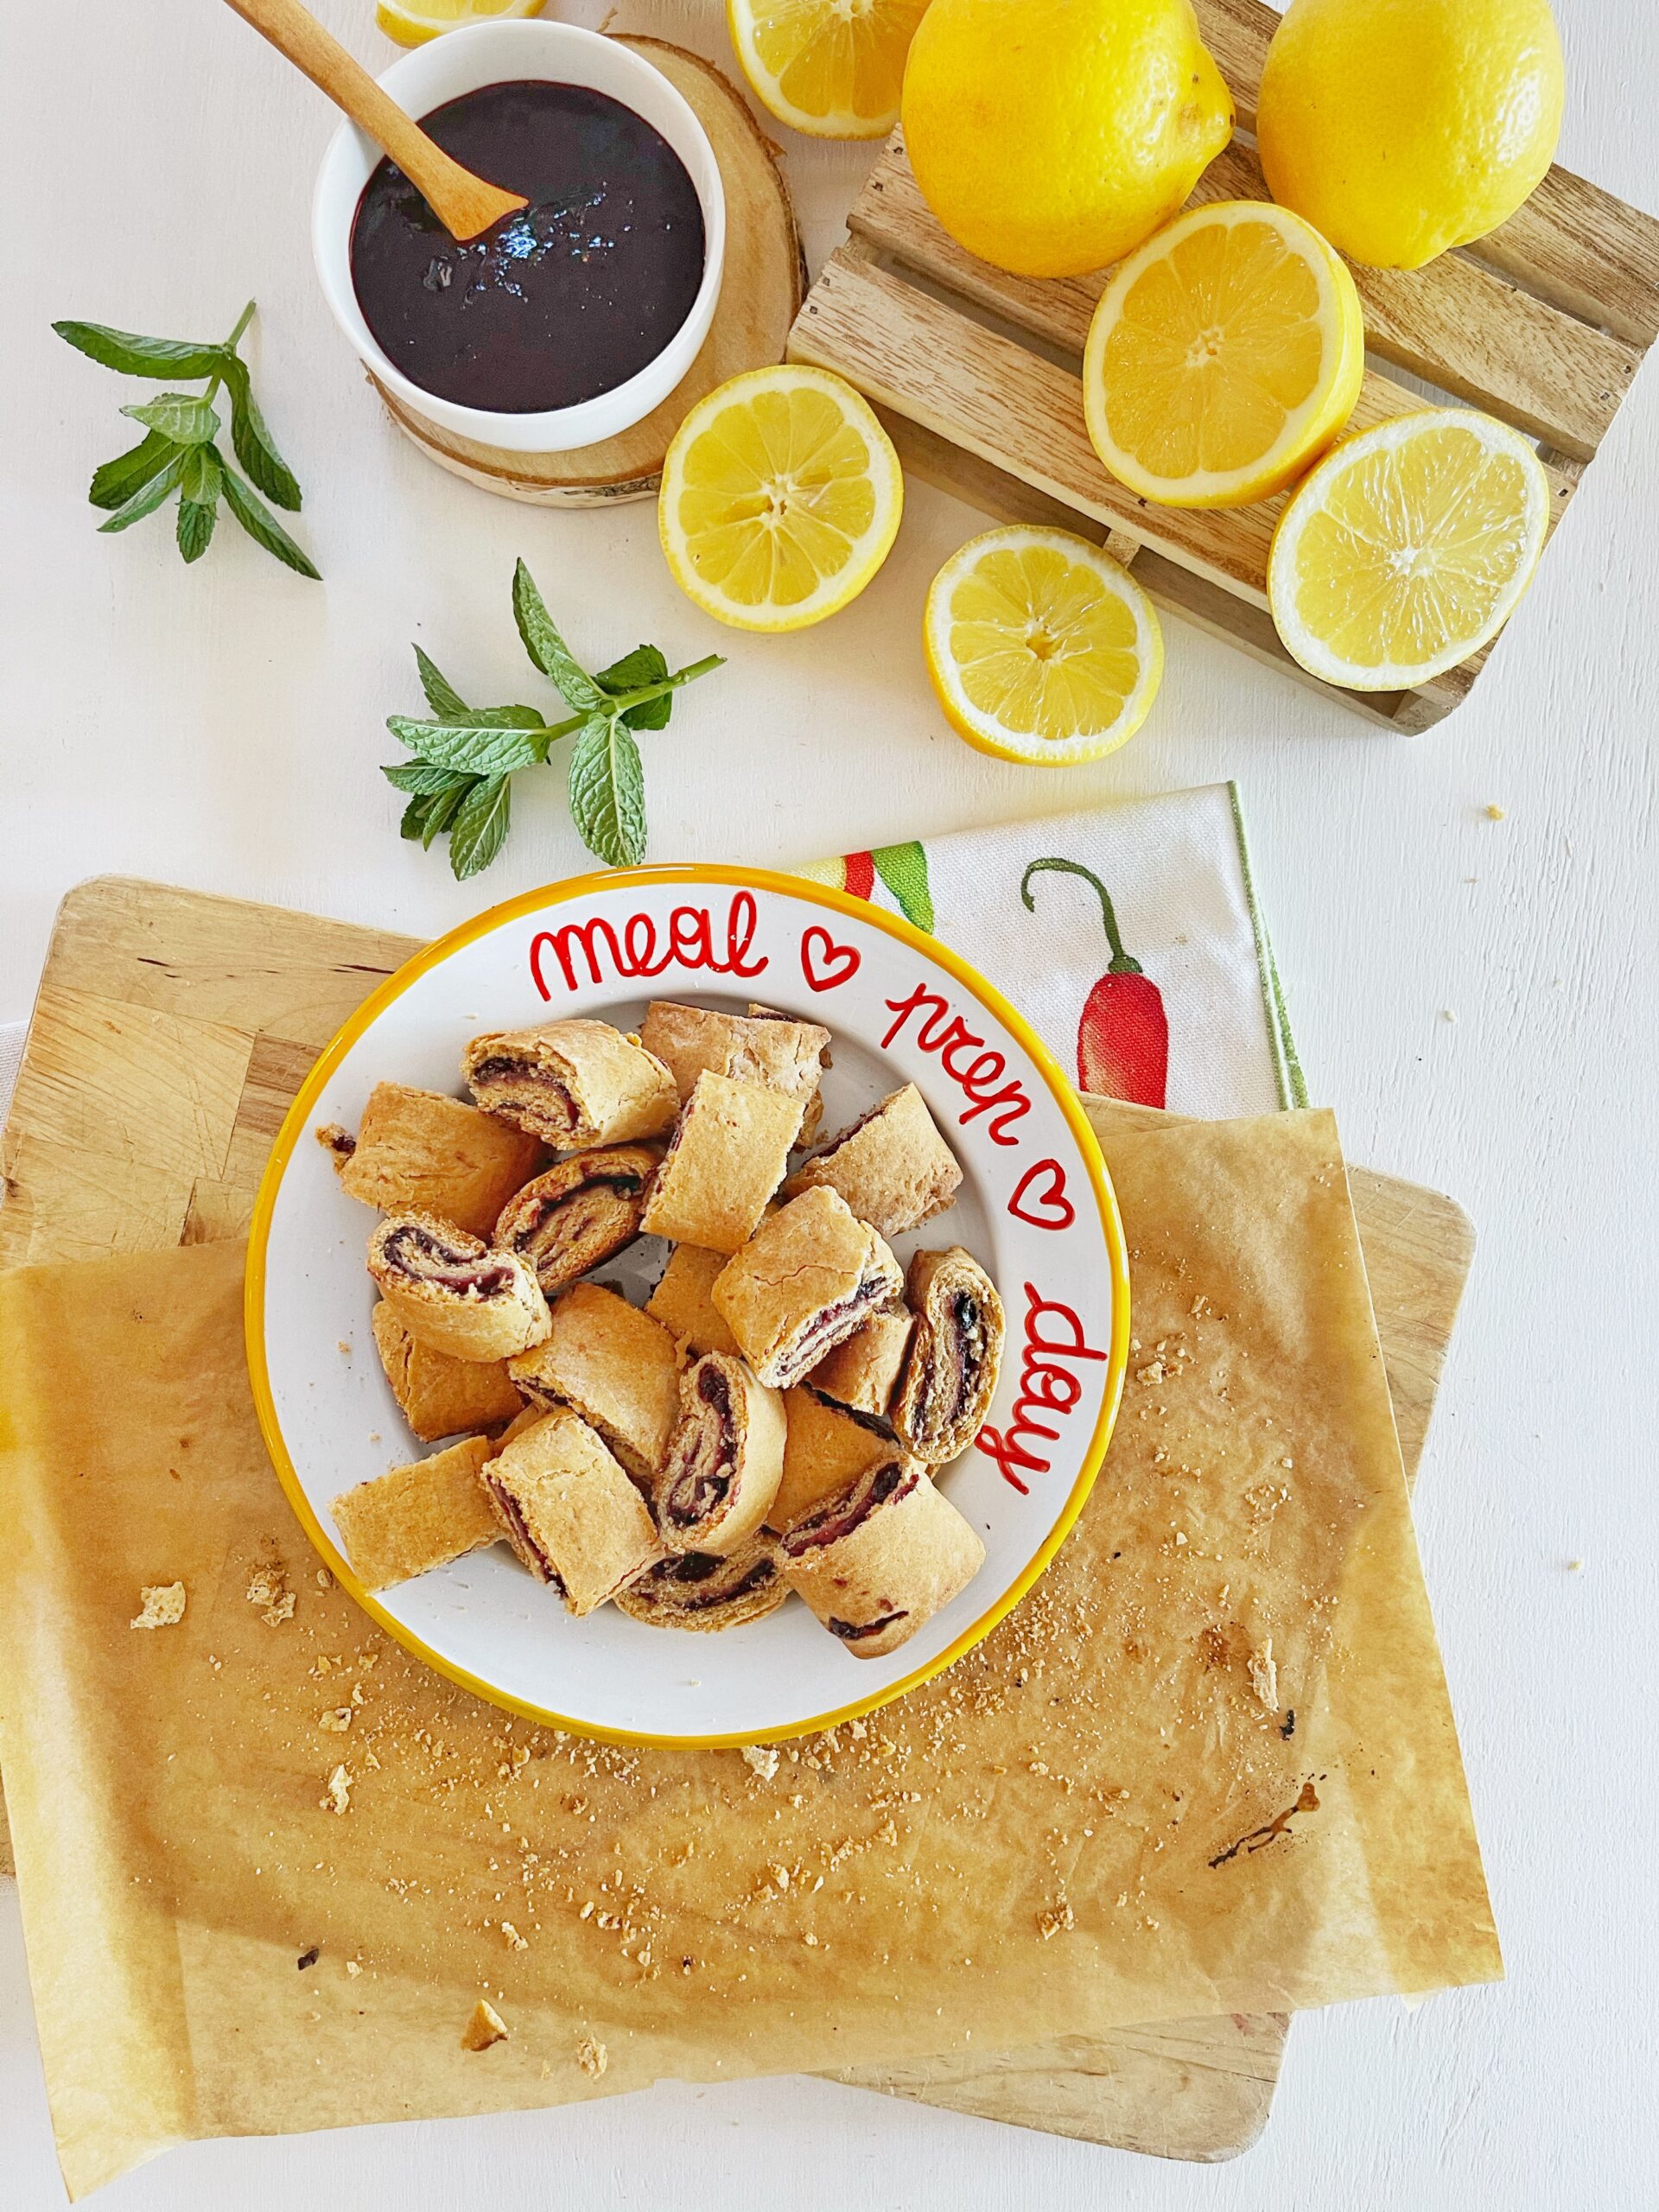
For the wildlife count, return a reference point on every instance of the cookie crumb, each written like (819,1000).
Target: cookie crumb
(339,1796)
(592,2056)
(268,1589)
(163,1605)
(339,1143)
(1264,1675)
(516,1941)
(1057,1920)
(1494,812)
(761,1759)
(485,2026)
(337,1721)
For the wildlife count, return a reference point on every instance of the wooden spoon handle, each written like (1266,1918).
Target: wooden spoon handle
(463,203)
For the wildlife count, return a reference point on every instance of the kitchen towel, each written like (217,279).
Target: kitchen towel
(1129,935)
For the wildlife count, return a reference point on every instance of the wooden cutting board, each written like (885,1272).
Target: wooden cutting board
(171,1031)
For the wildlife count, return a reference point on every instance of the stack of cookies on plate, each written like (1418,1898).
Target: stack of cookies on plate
(770,1420)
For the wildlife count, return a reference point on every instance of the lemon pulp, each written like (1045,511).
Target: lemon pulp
(831,69)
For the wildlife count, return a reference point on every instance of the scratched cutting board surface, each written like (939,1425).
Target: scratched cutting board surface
(172,1030)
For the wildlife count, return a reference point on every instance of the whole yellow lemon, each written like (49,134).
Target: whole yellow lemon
(1400,127)
(1052,136)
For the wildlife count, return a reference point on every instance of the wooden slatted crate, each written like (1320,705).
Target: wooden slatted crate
(976,372)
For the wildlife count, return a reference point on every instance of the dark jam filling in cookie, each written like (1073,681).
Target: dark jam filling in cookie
(852,1507)
(702,1480)
(856,1631)
(565,299)
(416,1253)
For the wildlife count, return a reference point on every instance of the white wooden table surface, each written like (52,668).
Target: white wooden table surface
(221,727)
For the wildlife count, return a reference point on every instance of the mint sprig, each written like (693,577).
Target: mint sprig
(179,452)
(460,778)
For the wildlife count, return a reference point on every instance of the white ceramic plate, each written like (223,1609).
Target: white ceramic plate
(1035,1207)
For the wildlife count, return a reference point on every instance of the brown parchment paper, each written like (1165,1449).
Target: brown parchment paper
(268,1863)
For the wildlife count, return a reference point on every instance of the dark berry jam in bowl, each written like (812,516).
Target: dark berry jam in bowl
(564,325)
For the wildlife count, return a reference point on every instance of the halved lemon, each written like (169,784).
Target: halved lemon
(1041,648)
(1224,356)
(781,496)
(1408,548)
(411,22)
(831,69)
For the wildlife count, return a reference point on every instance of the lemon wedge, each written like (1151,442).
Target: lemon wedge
(781,497)
(1408,548)
(411,22)
(831,69)
(1224,356)
(1041,648)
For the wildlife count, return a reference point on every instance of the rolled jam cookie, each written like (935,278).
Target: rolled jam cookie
(682,1303)
(417,1517)
(452,1293)
(807,1278)
(572,1083)
(695,1590)
(864,1372)
(569,1511)
(723,1162)
(579,1214)
(893,1167)
(770,1049)
(617,1368)
(949,1375)
(725,1459)
(827,1447)
(878,1560)
(437,1394)
(418,1152)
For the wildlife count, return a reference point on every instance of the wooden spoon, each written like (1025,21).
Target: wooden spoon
(463,203)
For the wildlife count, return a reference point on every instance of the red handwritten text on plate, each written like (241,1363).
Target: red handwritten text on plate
(978,1075)
(1040,1197)
(1050,1387)
(694,938)
(825,964)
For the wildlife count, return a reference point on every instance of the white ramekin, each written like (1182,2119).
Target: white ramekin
(493,53)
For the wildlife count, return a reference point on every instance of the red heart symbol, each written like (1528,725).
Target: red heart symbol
(824,963)
(1053,1209)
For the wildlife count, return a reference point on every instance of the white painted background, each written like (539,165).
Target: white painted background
(219,727)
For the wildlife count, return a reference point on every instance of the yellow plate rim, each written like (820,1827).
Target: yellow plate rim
(561,893)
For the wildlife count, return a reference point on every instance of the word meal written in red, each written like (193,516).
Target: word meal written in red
(693,938)
(1054,1370)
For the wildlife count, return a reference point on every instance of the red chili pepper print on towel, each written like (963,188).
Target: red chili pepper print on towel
(903,868)
(1123,1035)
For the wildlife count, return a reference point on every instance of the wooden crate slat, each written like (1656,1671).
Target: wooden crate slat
(1572,244)
(1462,327)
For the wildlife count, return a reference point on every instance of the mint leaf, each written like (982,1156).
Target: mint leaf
(261,524)
(446,702)
(180,416)
(135,356)
(423,777)
(441,810)
(650,714)
(479,828)
(414,822)
(607,791)
(479,751)
(114,484)
(199,486)
(145,500)
(645,664)
(252,441)
(548,649)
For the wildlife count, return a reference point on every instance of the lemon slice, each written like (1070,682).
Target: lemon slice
(831,69)
(1041,647)
(1224,356)
(1408,548)
(411,22)
(781,496)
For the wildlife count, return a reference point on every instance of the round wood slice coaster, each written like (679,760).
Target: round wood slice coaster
(761,296)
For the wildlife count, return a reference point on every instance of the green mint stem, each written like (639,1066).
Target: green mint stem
(620,702)
(242,322)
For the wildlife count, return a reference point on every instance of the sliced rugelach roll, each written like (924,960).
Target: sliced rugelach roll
(864,1372)
(569,1512)
(438,1394)
(726,1157)
(420,1151)
(579,1214)
(681,1302)
(696,1590)
(414,1518)
(878,1560)
(892,1166)
(618,1368)
(572,1083)
(452,1293)
(827,1447)
(725,1458)
(771,1049)
(951,1369)
(807,1278)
